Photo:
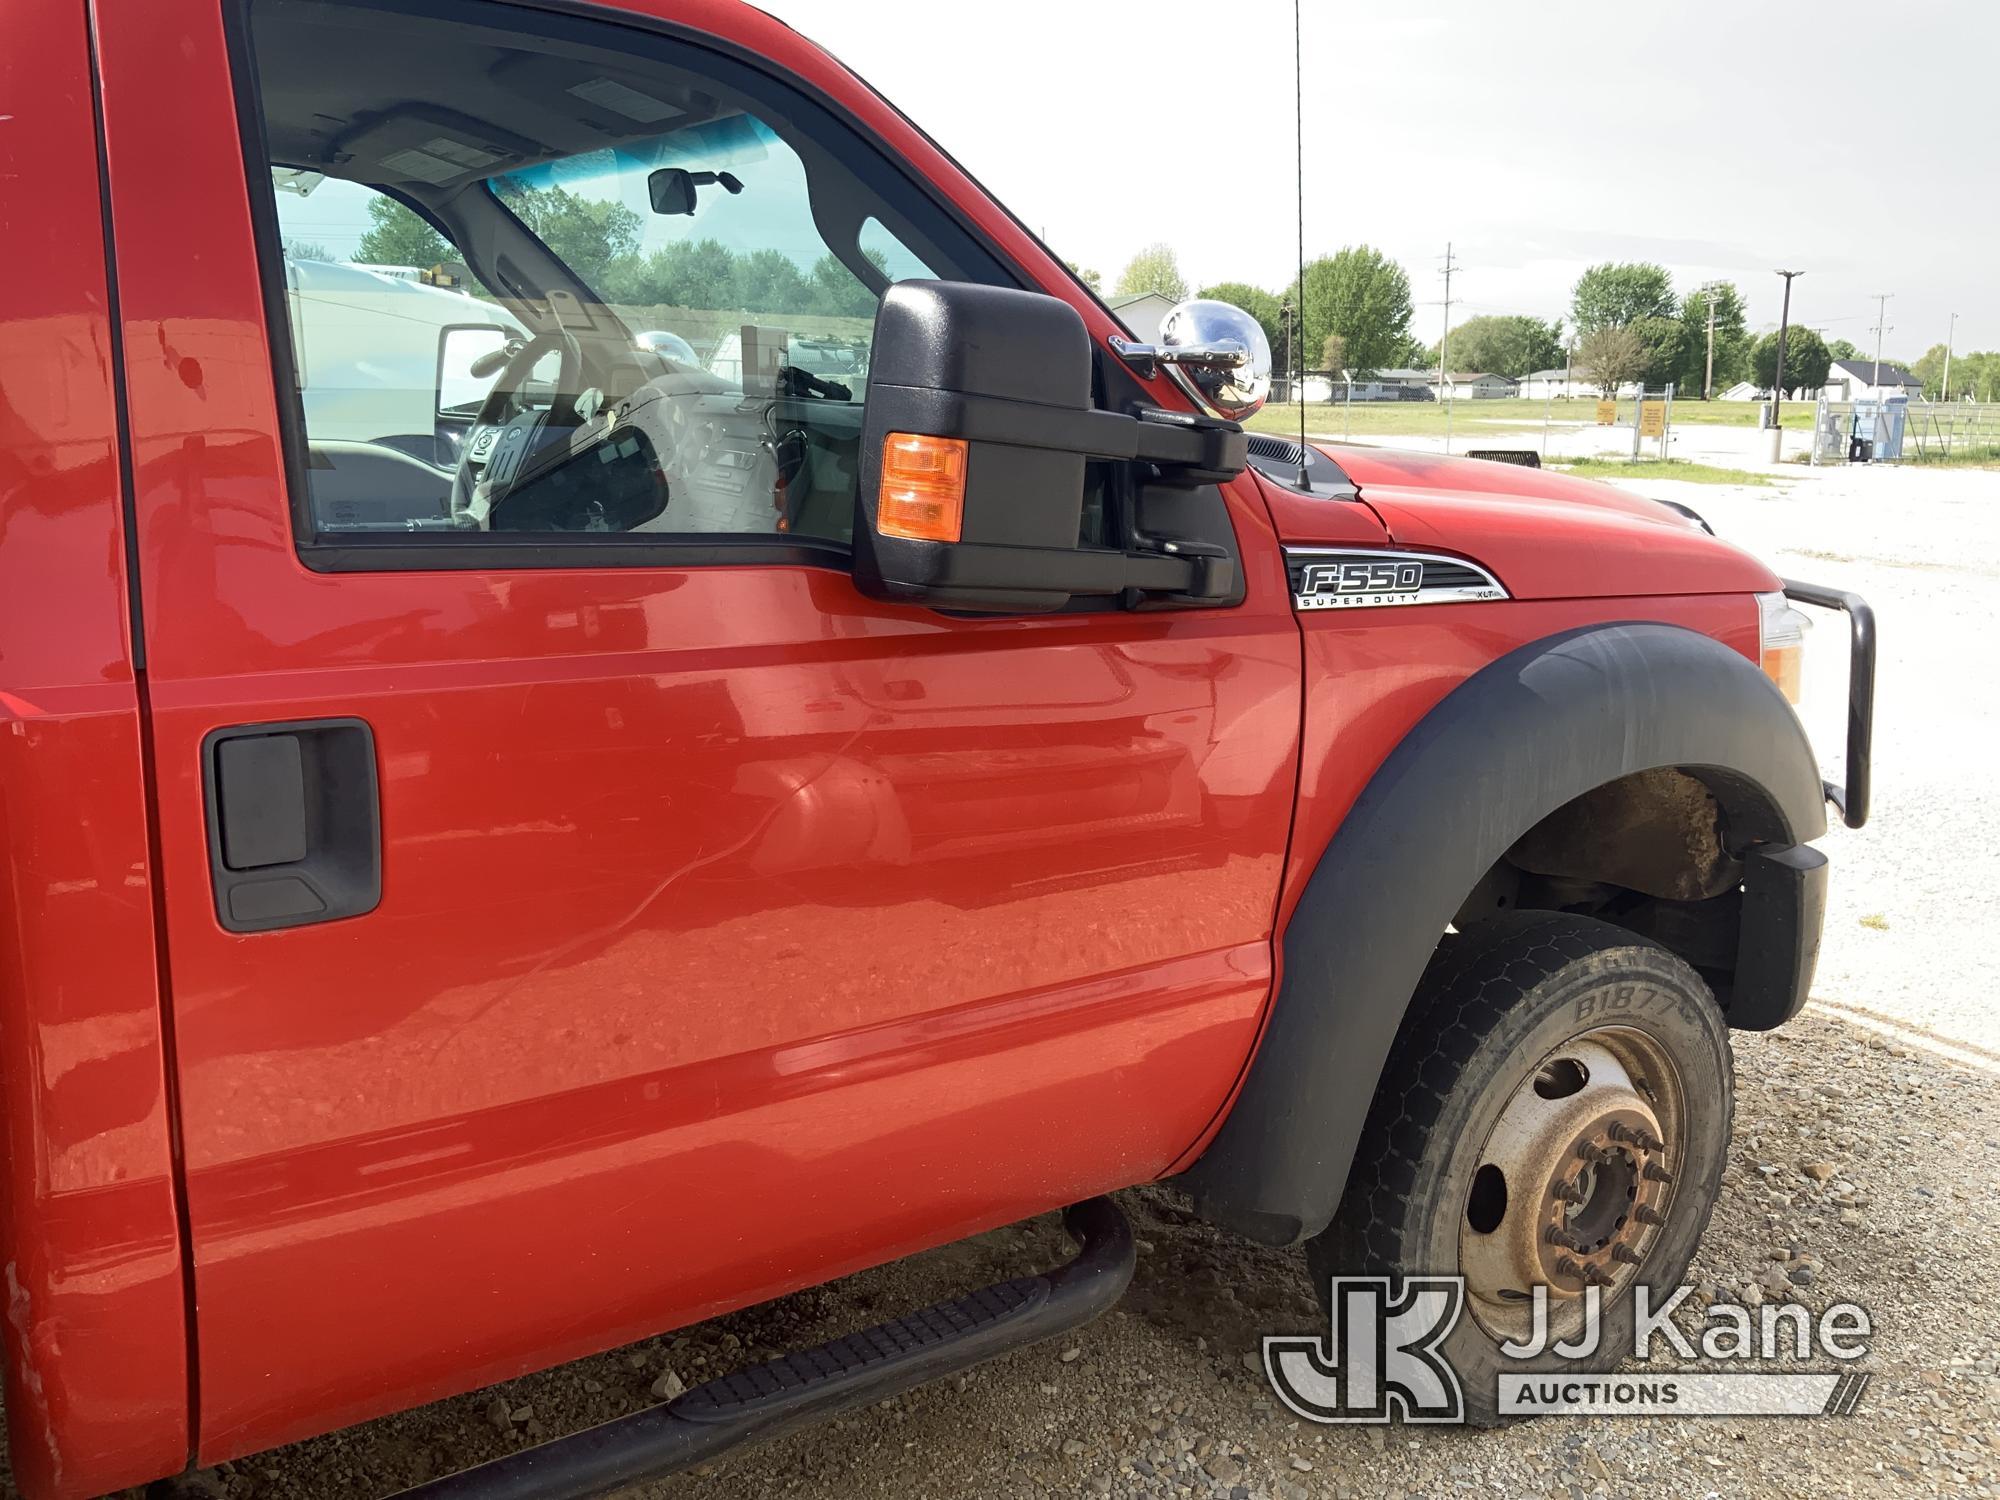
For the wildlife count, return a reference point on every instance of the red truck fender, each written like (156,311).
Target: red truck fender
(1520,739)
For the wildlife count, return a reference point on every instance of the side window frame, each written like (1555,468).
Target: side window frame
(873,162)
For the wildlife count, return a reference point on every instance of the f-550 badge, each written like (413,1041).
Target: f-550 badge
(1327,579)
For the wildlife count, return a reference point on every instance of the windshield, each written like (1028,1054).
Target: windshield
(748,241)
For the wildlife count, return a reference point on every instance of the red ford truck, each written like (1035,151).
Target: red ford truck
(800,743)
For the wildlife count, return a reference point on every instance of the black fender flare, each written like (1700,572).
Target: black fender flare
(1509,745)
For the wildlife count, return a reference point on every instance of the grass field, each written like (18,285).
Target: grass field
(1658,468)
(1984,456)
(1427,418)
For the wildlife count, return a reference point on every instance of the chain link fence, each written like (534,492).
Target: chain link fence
(1931,431)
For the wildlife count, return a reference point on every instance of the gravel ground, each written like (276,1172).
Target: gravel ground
(1863,1170)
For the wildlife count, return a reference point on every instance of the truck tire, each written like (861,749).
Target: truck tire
(1556,1110)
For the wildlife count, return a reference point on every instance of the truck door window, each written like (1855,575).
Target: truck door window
(550,276)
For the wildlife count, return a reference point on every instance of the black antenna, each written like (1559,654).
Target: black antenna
(1299,125)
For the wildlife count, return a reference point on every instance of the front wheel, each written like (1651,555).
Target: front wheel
(1555,1113)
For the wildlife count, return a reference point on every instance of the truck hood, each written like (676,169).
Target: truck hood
(1543,535)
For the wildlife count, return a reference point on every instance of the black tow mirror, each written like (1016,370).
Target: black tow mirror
(975,434)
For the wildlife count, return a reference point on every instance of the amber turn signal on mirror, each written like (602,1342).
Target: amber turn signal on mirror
(923,488)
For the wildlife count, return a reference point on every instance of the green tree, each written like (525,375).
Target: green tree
(1983,379)
(837,290)
(1974,375)
(1930,370)
(1364,297)
(1260,304)
(1610,356)
(1806,360)
(627,282)
(1841,349)
(1154,269)
(589,235)
(1613,295)
(1732,339)
(1089,278)
(1663,338)
(770,281)
(398,237)
(313,250)
(695,273)
(1413,354)
(1504,344)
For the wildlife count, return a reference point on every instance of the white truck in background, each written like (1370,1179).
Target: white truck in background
(369,348)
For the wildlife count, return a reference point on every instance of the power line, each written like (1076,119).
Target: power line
(1778,382)
(1881,327)
(1944,394)
(1708,292)
(1444,344)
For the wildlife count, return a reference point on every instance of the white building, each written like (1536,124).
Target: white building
(1564,385)
(1856,380)
(1142,312)
(1341,385)
(1404,385)
(1466,385)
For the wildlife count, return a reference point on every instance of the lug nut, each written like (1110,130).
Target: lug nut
(1596,1275)
(1657,1173)
(1625,1255)
(1568,1267)
(1570,1190)
(1645,1213)
(1556,1235)
(1632,1135)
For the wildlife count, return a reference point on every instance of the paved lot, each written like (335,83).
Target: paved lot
(1889,1086)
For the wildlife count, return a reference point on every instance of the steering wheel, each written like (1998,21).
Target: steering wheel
(506,435)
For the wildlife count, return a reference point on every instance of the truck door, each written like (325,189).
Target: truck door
(586,912)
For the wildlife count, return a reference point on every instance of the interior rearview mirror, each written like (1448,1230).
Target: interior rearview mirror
(672,189)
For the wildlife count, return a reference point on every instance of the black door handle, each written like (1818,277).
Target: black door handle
(294,823)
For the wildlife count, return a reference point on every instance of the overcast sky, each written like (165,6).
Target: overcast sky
(1856,142)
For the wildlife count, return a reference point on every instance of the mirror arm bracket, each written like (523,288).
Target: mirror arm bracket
(1211,570)
(1190,448)
(1145,360)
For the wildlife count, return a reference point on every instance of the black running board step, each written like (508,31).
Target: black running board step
(795,1390)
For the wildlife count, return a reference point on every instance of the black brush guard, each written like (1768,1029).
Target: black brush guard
(1851,799)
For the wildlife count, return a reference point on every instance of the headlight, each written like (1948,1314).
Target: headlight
(1782,631)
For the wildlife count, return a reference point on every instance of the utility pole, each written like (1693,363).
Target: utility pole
(1708,370)
(1778,383)
(1285,317)
(1881,327)
(1945,394)
(1444,347)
